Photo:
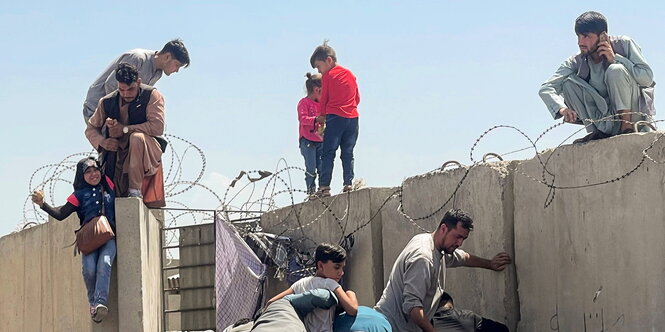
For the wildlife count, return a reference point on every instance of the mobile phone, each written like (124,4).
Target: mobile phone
(603,37)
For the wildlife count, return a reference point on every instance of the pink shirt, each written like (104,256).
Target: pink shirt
(307,111)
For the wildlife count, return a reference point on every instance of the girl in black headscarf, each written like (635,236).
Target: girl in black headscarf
(92,191)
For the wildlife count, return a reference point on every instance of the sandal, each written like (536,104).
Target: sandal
(322,192)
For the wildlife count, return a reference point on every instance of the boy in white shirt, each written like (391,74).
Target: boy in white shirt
(330,261)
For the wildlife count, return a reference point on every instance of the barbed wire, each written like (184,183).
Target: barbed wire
(59,175)
(255,192)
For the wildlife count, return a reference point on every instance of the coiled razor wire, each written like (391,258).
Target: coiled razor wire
(53,176)
(255,192)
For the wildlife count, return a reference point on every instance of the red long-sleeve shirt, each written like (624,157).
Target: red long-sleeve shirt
(339,93)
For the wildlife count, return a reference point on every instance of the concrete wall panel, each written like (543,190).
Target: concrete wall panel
(592,260)
(139,273)
(319,225)
(486,194)
(41,286)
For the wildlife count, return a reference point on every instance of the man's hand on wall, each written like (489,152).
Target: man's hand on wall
(499,262)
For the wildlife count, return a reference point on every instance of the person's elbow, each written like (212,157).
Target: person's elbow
(352,305)
(58,217)
(352,309)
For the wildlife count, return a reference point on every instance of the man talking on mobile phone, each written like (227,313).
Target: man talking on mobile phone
(607,87)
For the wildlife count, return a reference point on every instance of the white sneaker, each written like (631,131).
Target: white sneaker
(100,313)
(134,193)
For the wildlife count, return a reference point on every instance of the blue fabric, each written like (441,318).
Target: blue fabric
(367,320)
(90,204)
(97,272)
(305,302)
(312,152)
(343,133)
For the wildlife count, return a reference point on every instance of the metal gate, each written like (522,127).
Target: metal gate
(188,275)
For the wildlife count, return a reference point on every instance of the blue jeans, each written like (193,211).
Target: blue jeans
(343,133)
(97,272)
(312,152)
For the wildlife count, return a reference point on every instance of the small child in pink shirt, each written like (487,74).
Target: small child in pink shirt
(311,142)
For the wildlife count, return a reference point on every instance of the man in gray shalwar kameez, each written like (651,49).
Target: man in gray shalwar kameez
(417,280)
(607,87)
(150,64)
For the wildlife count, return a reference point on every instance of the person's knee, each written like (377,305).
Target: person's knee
(616,72)
(89,274)
(107,260)
(136,138)
(346,150)
(568,86)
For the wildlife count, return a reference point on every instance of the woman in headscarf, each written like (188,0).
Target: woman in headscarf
(92,191)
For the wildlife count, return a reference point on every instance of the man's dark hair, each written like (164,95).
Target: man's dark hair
(178,50)
(329,252)
(126,73)
(322,52)
(445,298)
(455,216)
(590,22)
(241,321)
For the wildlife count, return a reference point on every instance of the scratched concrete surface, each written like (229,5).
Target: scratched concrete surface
(592,260)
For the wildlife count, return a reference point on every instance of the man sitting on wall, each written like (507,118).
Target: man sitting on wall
(607,87)
(133,116)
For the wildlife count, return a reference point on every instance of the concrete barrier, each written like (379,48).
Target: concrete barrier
(590,260)
(326,220)
(139,266)
(593,259)
(486,193)
(41,285)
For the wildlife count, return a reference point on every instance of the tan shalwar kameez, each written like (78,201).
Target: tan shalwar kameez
(139,154)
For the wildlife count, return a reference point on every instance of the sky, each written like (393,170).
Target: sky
(433,76)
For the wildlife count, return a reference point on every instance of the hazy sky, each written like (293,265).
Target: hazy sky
(433,75)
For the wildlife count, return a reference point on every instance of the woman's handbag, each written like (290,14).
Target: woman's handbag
(95,233)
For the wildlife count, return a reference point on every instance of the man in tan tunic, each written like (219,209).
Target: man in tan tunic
(125,126)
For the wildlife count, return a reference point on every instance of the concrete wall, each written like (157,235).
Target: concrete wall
(353,209)
(591,261)
(486,194)
(41,285)
(139,266)
(42,289)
